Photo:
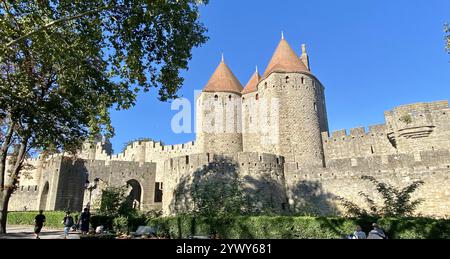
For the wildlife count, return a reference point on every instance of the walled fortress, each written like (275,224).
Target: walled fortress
(273,133)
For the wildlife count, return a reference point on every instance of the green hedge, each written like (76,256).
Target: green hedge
(53,218)
(264,227)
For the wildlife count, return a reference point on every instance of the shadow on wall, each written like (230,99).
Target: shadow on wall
(212,191)
(219,189)
(308,198)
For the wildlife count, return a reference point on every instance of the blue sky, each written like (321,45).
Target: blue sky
(371,56)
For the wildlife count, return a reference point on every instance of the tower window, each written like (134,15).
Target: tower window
(315,107)
(257,97)
(216,97)
(187,160)
(287,79)
(303,80)
(265,85)
(229,97)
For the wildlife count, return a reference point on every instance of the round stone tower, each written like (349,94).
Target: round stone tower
(251,136)
(219,123)
(295,112)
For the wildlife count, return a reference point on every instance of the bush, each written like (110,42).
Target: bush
(120,224)
(102,220)
(265,227)
(53,218)
(260,227)
(123,223)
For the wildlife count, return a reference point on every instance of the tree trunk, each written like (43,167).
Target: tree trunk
(4,153)
(9,188)
(4,199)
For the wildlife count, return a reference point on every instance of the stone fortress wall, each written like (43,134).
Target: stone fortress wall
(408,129)
(262,176)
(288,161)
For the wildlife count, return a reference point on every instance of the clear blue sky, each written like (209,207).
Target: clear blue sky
(371,56)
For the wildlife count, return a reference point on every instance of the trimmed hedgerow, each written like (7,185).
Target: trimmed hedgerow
(53,219)
(283,227)
(262,227)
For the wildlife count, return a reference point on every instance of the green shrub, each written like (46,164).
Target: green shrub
(102,220)
(120,224)
(257,227)
(53,218)
(283,227)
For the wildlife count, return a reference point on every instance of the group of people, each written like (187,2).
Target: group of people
(375,233)
(69,223)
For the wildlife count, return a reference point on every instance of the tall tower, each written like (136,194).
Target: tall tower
(219,124)
(296,112)
(250,115)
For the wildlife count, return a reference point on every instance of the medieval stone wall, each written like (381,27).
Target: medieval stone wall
(409,129)
(261,174)
(25,198)
(342,178)
(358,143)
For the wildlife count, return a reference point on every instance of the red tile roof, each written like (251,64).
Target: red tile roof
(252,85)
(223,80)
(285,60)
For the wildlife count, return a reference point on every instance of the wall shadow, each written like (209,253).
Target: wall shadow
(308,198)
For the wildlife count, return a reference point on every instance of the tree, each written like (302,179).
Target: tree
(65,63)
(214,191)
(396,202)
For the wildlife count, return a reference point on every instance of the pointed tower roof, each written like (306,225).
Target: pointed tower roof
(252,85)
(285,60)
(223,80)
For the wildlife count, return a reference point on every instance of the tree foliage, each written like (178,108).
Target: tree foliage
(115,202)
(215,191)
(64,64)
(395,202)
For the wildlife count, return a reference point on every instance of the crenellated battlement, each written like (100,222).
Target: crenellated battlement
(274,137)
(360,132)
(425,161)
(247,159)
(422,106)
(30,189)
(149,149)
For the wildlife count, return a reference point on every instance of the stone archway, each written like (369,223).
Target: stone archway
(135,194)
(44,196)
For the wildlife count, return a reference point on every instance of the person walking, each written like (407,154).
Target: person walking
(376,232)
(68,223)
(39,221)
(359,234)
(85,218)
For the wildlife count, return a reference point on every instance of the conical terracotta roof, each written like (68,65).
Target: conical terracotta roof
(252,85)
(223,80)
(285,60)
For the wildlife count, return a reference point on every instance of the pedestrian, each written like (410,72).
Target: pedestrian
(68,223)
(359,234)
(376,232)
(85,218)
(39,223)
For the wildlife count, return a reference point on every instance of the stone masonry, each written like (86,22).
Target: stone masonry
(273,133)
